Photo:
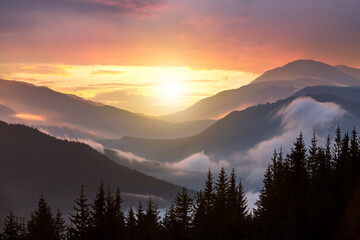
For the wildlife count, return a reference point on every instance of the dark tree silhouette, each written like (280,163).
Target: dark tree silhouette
(41,225)
(312,194)
(80,220)
(14,228)
(98,214)
(151,224)
(170,224)
(183,205)
(60,227)
(130,227)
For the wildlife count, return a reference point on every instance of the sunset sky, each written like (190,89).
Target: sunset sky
(160,56)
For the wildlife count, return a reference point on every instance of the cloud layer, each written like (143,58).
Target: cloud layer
(301,115)
(224,34)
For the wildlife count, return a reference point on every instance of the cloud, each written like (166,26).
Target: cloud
(119,97)
(130,156)
(34,69)
(145,197)
(85,6)
(199,162)
(107,72)
(95,145)
(223,34)
(252,197)
(30,117)
(301,115)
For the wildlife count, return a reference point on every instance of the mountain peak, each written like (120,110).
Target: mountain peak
(308,69)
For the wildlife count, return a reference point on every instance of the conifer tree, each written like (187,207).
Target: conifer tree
(130,227)
(313,151)
(119,220)
(354,154)
(241,206)
(298,182)
(183,206)
(140,216)
(41,225)
(151,222)
(14,228)
(209,196)
(233,211)
(200,218)
(60,228)
(221,200)
(170,223)
(337,147)
(98,214)
(80,220)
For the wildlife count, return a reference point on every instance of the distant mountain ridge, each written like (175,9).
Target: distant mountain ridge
(239,135)
(32,162)
(271,86)
(59,109)
(309,69)
(239,130)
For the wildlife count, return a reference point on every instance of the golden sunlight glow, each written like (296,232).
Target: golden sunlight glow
(170,84)
(170,90)
(27,116)
(141,89)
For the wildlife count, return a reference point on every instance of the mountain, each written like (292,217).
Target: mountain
(310,69)
(57,109)
(65,132)
(6,111)
(239,130)
(219,105)
(242,139)
(273,85)
(32,162)
(354,72)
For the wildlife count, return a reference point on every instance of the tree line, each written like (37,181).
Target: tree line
(310,193)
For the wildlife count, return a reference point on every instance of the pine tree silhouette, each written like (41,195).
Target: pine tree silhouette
(41,225)
(60,227)
(151,222)
(98,214)
(183,205)
(14,228)
(130,227)
(170,224)
(80,221)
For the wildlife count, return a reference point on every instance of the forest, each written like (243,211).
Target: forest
(313,192)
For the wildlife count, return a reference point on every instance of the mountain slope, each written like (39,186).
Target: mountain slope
(239,130)
(243,140)
(64,110)
(32,162)
(308,69)
(273,85)
(354,72)
(217,106)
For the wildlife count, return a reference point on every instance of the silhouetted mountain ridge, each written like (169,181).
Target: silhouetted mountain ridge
(239,130)
(32,162)
(273,85)
(65,110)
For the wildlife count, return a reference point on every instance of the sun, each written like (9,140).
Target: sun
(170,84)
(171,90)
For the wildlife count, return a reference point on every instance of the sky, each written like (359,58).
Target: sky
(160,56)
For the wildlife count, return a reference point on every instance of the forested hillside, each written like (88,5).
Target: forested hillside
(309,193)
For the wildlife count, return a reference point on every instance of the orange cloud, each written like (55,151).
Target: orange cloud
(28,116)
(251,36)
(110,72)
